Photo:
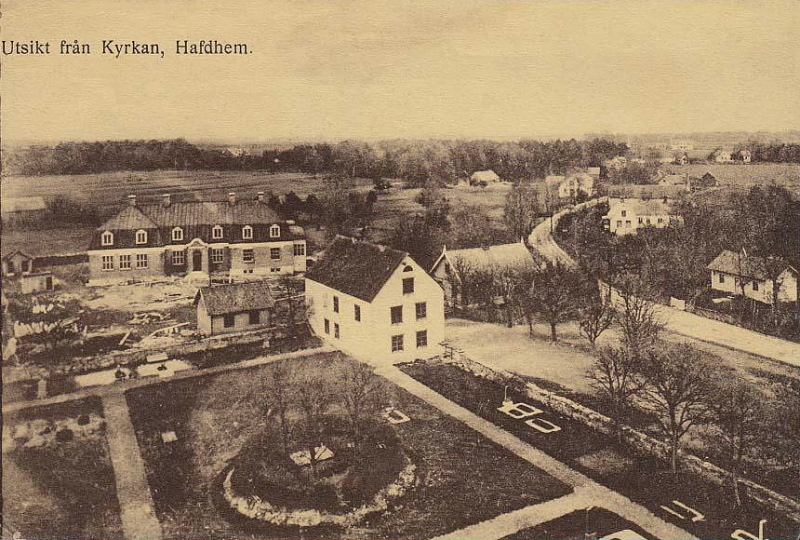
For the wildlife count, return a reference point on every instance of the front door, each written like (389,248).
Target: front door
(197,261)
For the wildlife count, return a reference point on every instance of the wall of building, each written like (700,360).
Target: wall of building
(264,265)
(98,276)
(732,285)
(241,322)
(16,261)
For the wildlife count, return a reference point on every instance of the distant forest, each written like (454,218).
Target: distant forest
(416,161)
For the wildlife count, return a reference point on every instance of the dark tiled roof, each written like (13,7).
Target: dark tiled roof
(737,264)
(359,269)
(235,297)
(197,220)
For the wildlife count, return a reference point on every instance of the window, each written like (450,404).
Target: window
(141,237)
(755,285)
(336,330)
(397,343)
(247,271)
(327,326)
(624,213)
(628,224)
(124,262)
(336,304)
(178,258)
(274,231)
(397,314)
(422,310)
(216,232)
(408,285)
(661,220)
(422,339)
(10,267)
(217,256)
(248,256)
(26,266)
(247,232)
(641,221)
(619,224)
(275,253)
(141,260)
(254,317)
(177,234)
(107,239)
(648,221)
(299,250)
(721,278)
(108,262)
(275,269)
(228,320)
(357,312)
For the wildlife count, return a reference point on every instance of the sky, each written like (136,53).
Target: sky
(338,69)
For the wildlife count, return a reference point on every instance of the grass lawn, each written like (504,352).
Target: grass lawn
(61,489)
(645,479)
(463,477)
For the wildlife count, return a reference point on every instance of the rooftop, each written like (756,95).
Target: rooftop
(236,297)
(739,264)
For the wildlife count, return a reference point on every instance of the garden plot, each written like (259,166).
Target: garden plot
(58,480)
(425,473)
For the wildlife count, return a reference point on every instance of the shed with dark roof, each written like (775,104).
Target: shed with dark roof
(233,307)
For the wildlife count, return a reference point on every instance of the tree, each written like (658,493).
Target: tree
(358,394)
(313,398)
(556,291)
(597,315)
(277,387)
(636,312)
(291,299)
(737,411)
(676,388)
(520,210)
(615,376)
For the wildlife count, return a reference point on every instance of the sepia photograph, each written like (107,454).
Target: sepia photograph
(409,269)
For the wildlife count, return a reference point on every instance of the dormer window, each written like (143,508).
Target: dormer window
(141,237)
(216,232)
(274,231)
(247,232)
(177,234)
(107,239)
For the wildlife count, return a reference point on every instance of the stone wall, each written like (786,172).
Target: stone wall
(637,440)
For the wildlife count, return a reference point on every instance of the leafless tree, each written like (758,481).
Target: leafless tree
(596,316)
(737,411)
(556,292)
(636,312)
(313,398)
(520,210)
(615,376)
(359,386)
(676,388)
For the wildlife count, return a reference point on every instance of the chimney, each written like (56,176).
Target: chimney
(132,200)
(261,198)
(166,200)
(232,198)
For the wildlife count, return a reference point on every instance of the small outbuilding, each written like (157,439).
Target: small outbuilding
(490,177)
(17,264)
(233,307)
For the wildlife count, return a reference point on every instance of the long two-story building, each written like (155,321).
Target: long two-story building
(375,303)
(239,239)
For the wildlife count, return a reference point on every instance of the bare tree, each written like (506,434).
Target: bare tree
(636,312)
(737,411)
(520,210)
(615,376)
(280,399)
(596,316)
(462,276)
(313,398)
(556,291)
(358,393)
(292,301)
(677,389)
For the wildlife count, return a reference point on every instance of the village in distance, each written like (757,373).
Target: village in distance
(530,339)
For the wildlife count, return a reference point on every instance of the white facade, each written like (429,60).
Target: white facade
(375,337)
(627,216)
(756,289)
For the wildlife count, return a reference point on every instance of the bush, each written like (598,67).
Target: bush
(83,420)
(64,435)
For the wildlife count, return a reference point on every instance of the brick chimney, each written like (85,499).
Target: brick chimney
(132,200)
(261,198)
(166,200)
(232,198)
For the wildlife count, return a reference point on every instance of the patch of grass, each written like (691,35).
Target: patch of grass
(463,478)
(62,490)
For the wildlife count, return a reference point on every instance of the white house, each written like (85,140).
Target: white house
(722,156)
(570,187)
(375,303)
(626,216)
(731,271)
(489,177)
(451,263)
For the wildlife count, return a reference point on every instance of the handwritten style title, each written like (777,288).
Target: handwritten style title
(118,49)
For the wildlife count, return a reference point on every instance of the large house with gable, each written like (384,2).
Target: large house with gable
(627,216)
(233,239)
(374,303)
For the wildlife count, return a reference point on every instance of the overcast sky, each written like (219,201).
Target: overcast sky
(370,69)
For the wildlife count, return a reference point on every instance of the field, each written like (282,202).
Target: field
(745,176)
(462,477)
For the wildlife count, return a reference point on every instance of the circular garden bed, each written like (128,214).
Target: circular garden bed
(356,476)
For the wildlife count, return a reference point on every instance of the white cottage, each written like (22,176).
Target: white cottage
(736,273)
(375,303)
(627,216)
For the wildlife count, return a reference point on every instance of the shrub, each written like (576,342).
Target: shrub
(64,435)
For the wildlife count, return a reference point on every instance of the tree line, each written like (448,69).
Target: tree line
(415,161)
